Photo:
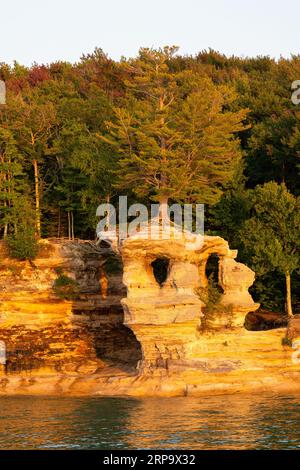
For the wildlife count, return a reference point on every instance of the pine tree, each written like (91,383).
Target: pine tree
(175,136)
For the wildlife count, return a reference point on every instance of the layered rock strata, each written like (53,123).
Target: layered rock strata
(162,306)
(43,333)
(163,344)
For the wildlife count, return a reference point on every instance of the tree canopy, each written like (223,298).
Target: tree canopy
(204,128)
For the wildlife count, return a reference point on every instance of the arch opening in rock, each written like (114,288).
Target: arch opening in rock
(212,271)
(118,344)
(160,268)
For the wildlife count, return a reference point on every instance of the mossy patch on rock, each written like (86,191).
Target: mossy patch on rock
(65,287)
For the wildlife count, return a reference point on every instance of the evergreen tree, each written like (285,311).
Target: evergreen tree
(272,234)
(31,121)
(13,184)
(174,136)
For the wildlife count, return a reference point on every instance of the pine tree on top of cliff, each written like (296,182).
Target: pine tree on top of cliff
(175,135)
(272,234)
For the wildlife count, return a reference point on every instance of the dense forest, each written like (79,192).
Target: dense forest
(209,128)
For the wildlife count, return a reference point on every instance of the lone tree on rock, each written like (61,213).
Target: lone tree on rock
(175,135)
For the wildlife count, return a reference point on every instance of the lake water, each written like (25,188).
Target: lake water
(224,422)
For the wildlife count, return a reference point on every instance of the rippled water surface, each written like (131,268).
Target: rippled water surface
(225,422)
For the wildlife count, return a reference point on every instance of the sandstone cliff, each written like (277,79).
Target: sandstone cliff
(43,332)
(144,337)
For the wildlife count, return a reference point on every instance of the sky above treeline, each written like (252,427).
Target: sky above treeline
(50,30)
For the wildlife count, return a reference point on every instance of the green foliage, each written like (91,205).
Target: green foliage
(229,215)
(175,135)
(211,296)
(113,266)
(158,125)
(13,181)
(262,225)
(21,239)
(272,234)
(65,287)
(269,291)
(287,342)
(22,245)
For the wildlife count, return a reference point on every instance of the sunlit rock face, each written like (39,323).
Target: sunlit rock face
(44,333)
(162,306)
(233,278)
(82,346)
(293,329)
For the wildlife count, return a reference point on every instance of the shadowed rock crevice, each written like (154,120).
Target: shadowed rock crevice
(118,345)
(160,268)
(99,309)
(264,320)
(212,269)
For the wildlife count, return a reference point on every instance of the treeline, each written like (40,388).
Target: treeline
(161,126)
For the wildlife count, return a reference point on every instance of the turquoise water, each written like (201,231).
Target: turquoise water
(224,422)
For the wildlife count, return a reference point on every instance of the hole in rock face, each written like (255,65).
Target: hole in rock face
(212,271)
(160,268)
(104,244)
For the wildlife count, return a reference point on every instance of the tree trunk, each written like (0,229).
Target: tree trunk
(72,225)
(5,232)
(8,201)
(59,222)
(37,199)
(69,226)
(107,200)
(288,294)
(163,208)
(163,202)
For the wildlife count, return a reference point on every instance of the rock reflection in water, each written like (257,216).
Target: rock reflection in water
(224,422)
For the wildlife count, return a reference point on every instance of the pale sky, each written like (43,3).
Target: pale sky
(48,30)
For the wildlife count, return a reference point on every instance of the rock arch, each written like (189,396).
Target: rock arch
(165,316)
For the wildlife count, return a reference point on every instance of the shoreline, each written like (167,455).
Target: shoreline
(187,384)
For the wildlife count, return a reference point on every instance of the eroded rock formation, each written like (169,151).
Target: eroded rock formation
(47,334)
(82,347)
(162,307)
